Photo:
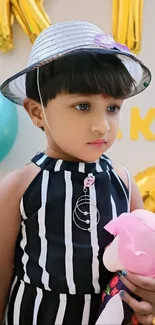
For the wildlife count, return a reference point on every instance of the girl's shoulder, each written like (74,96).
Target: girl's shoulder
(124,175)
(135,198)
(12,188)
(18,180)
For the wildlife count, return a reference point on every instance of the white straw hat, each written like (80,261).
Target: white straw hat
(68,37)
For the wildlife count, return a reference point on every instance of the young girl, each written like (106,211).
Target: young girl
(53,210)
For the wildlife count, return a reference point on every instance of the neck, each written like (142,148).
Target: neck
(58,154)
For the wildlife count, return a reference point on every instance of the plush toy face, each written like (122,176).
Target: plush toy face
(135,243)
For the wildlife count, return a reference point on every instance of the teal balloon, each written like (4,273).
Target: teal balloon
(8,126)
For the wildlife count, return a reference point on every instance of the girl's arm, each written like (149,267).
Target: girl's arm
(136,199)
(12,189)
(9,228)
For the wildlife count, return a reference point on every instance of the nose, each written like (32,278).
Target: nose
(101,126)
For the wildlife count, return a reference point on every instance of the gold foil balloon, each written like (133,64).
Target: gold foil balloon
(6,21)
(146,184)
(31,16)
(127,23)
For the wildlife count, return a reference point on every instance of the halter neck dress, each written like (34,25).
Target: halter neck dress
(58,270)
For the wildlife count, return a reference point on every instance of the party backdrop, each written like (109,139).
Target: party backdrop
(135,146)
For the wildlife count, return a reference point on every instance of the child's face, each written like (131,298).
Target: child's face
(76,122)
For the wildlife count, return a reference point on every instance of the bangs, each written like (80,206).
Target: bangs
(81,73)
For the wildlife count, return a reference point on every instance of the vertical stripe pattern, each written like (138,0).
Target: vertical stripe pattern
(113,204)
(25,257)
(42,230)
(17,304)
(37,303)
(68,234)
(81,167)
(58,165)
(53,254)
(86,309)
(94,241)
(39,307)
(7,308)
(41,160)
(61,310)
(129,187)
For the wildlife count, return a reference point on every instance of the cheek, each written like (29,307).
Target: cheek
(65,127)
(67,121)
(114,127)
(114,121)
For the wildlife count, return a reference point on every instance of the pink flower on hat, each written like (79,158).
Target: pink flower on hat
(104,40)
(107,42)
(121,47)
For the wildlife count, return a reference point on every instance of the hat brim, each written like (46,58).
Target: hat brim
(15,90)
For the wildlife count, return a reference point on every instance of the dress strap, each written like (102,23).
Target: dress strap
(40,159)
(129,186)
(53,164)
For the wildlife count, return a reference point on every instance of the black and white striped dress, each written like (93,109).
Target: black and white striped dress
(58,270)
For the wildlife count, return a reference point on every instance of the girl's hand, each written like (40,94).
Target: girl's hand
(144,288)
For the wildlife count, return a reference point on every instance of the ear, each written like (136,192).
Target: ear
(34,110)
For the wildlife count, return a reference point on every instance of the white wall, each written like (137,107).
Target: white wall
(30,139)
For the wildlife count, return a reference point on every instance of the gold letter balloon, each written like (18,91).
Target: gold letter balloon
(146,184)
(127,18)
(31,16)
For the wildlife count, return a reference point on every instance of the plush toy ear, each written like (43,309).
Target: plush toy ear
(118,224)
(111,227)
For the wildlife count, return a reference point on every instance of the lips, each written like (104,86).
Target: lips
(98,141)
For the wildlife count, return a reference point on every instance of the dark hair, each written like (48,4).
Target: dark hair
(83,72)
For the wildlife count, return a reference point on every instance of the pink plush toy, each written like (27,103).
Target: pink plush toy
(132,249)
